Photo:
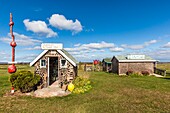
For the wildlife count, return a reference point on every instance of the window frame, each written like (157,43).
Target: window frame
(65,66)
(41,63)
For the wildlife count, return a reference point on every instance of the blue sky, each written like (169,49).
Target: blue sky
(88,29)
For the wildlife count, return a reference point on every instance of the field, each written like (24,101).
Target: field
(4,76)
(110,93)
(165,66)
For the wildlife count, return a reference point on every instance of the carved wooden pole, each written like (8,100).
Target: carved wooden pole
(12,68)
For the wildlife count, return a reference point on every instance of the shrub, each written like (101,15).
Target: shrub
(145,73)
(129,72)
(25,81)
(81,85)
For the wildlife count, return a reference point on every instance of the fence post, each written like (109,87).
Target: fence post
(165,73)
(154,69)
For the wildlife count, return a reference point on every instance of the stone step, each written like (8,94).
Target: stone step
(55,84)
(50,92)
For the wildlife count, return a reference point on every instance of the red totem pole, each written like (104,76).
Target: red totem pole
(12,68)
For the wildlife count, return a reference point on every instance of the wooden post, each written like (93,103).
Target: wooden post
(165,73)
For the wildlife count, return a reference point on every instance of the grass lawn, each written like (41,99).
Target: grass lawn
(110,93)
(4,76)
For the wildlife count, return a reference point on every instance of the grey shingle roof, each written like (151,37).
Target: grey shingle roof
(70,56)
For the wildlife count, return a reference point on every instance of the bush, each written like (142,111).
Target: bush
(145,73)
(81,85)
(25,81)
(129,72)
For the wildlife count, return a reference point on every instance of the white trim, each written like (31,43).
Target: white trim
(38,57)
(45,51)
(12,62)
(74,64)
(137,60)
(48,78)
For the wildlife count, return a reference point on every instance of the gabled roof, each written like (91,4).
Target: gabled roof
(69,56)
(63,52)
(107,60)
(38,57)
(124,58)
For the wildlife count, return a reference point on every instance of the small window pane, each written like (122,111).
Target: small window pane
(43,64)
(63,63)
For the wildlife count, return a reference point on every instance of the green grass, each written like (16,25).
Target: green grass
(4,69)
(165,66)
(4,76)
(110,93)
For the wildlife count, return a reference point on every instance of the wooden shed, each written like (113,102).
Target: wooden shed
(88,66)
(54,64)
(136,63)
(107,64)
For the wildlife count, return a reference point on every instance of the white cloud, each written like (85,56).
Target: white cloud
(159,54)
(91,46)
(91,51)
(167,45)
(26,57)
(75,53)
(100,45)
(150,42)
(164,36)
(72,49)
(60,22)
(39,27)
(139,46)
(93,55)
(21,40)
(34,48)
(5,57)
(102,50)
(76,45)
(135,47)
(116,49)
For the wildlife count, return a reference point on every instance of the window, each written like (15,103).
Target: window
(42,64)
(63,63)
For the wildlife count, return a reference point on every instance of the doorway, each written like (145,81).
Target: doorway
(53,69)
